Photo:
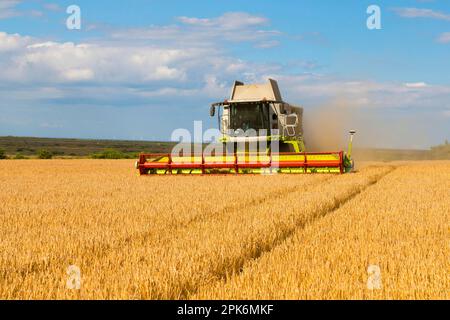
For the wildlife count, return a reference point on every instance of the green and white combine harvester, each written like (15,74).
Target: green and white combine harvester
(260,133)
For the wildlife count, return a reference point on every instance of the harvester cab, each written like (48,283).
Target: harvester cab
(257,113)
(260,134)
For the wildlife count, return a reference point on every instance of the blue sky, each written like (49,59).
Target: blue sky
(140,69)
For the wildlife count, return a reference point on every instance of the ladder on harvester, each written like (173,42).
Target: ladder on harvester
(288,123)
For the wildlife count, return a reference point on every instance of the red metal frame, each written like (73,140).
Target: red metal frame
(143,165)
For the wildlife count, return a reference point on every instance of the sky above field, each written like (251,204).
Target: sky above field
(140,69)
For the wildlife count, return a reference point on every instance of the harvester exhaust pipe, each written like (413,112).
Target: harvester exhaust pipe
(350,143)
(349,164)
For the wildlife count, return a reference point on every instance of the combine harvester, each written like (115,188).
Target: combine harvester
(255,115)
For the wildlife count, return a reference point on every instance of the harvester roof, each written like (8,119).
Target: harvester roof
(255,92)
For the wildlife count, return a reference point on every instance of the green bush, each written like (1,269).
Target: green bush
(2,154)
(44,154)
(112,154)
(20,156)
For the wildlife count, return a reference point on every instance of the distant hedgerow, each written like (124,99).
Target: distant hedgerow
(112,154)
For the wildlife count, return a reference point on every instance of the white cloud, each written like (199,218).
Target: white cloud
(36,13)
(7,8)
(196,21)
(176,51)
(53,62)
(230,27)
(230,21)
(421,13)
(268,44)
(444,37)
(415,85)
(78,74)
(52,7)
(11,42)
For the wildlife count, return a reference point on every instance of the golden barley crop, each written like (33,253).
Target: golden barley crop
(220,236)
(389,242)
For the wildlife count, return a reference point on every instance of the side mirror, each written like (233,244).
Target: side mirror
(274,117)
(212,111)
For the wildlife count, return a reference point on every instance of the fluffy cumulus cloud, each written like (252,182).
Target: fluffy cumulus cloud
(147,63)
(12,42)
(177,52)
(53,62)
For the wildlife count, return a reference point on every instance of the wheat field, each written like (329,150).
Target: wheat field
(380,233)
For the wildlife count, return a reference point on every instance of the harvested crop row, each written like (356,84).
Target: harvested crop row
(174,266)
(397,230)
(55,213)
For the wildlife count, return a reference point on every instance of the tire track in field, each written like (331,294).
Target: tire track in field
(100,251)
(337,203)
